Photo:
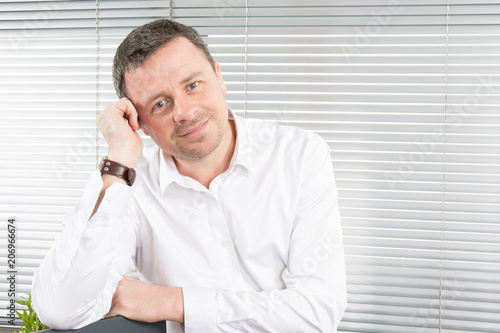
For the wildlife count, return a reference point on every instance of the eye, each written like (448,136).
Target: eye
(160,104)
(193,85)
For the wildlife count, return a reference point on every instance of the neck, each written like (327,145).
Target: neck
(204,170)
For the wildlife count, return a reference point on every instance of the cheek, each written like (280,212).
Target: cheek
(158,129)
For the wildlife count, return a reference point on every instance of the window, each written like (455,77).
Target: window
(407,94)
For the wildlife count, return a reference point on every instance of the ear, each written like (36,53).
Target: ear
(219,77)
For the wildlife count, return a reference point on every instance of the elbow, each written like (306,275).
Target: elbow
(328,316)
(339,308)
(336,306)
(330,309)
(50,311)
(321,312)
(59,316)
(44,309)
(48,316)
(55,309)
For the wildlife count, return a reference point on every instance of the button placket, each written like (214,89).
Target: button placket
(223,237)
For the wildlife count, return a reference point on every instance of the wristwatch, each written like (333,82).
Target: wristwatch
(116,169)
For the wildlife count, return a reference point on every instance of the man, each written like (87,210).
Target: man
(231,223)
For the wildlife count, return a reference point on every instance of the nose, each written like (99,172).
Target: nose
(183,109)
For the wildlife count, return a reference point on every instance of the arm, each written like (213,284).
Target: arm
(119,123)
(75,282)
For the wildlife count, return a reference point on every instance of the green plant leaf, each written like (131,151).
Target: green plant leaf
(30,319)
(25,318)
(28,304)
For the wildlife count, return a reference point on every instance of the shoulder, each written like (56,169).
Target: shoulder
(271,135)
(281,146)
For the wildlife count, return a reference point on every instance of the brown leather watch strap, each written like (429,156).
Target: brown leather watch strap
(118,170)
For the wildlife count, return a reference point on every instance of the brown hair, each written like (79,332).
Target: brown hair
(145,40)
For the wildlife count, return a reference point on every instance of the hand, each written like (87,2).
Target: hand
(119,123)
(145,302)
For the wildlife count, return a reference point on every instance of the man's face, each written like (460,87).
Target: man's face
(180,100)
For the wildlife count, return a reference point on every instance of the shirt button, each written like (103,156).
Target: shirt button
(110,197)
(223,244)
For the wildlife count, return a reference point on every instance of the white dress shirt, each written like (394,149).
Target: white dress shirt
(259,251)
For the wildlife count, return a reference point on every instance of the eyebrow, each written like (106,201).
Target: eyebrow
(190,77)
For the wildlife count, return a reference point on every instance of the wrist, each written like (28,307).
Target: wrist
(109,180)
(117,170)
(174,304)
(126,159)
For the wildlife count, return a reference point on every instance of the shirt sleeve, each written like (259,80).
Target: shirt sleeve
(315,296)
(76,280)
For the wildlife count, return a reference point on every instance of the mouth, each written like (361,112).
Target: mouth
(194,131)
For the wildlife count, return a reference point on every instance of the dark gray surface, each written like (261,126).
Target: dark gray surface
(118,325)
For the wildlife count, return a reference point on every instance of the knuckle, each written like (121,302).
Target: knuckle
(120,303)
(121,284)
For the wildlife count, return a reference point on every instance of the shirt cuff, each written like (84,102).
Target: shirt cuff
(116,200)
(93,188)
(199,309)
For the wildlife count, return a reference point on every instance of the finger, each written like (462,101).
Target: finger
(116,311)
(112,313)
(130,113)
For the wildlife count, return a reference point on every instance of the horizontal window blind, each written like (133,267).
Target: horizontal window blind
(470,250)
(405,92)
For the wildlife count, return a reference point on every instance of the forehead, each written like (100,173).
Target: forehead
(170,64)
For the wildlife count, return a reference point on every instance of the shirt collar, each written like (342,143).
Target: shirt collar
(243,156)
(243,150)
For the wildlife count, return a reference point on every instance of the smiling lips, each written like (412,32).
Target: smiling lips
(194,131)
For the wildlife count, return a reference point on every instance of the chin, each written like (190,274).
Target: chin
(189,154)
